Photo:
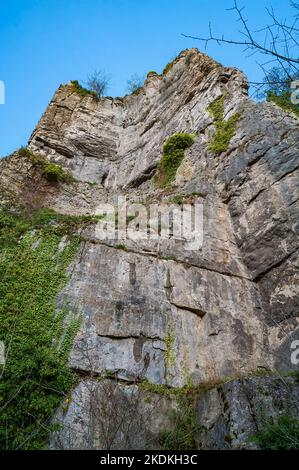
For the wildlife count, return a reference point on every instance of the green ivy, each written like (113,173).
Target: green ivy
(37,337)
(225,130)
(173,154)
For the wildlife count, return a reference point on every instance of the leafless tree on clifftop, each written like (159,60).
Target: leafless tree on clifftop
(277,42)
(98,82)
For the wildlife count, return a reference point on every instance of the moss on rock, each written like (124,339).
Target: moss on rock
(225,130)
(173,154)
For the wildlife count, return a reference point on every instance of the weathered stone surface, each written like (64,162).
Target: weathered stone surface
(110,415)
(156,310)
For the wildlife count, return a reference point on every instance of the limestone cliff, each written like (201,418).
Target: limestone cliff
(212,318)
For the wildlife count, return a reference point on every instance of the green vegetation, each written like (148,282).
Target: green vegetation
(225,130)
(187,198)
(163,390)
(129,218)
(173,154)
(186,369)
(178,199)
(171,392)
(121,246)
(51,171)
(62,224)
(182,435)
(278,88)
(76,87)
(54,172)
(168,258)
(37,337)
(283,100)
(24,152)
(152,72)
(198,194)
(169,345)
(168,67)
(281,435)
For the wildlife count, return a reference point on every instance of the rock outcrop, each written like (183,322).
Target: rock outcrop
(152,309)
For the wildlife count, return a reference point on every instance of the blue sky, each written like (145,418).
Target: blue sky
(44,43)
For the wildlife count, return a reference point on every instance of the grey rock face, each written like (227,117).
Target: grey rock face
(134,303)
(155,310)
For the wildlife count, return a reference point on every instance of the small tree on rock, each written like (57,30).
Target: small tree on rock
(134,83)
(98,82)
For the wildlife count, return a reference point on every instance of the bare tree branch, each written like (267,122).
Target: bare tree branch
(279,41)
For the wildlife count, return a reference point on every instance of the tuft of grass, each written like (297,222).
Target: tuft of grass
(77,88)
(225,130)
(129,218)
(169,347)
(137,91)
(178,199)
(163,390)
(62,224)
(284,102)
(281,435)
(173,154)
(51,171)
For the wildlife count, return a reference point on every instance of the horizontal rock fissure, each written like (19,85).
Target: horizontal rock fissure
(154,255)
